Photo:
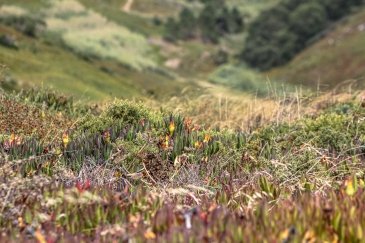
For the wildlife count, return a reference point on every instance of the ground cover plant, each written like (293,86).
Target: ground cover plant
(127,172)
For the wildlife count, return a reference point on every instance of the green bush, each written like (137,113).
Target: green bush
(279,33)
(213,22)
(29,25)
(127,111)
(119,112)
(315,21)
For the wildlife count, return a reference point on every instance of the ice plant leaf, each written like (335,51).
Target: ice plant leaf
(351,186)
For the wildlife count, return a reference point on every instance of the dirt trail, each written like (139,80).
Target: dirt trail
(127,6)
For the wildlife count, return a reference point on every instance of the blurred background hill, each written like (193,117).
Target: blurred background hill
(157,49)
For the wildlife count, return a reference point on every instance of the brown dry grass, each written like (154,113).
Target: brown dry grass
(25,120)
(218,107)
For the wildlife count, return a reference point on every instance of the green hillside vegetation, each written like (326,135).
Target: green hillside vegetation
(182,121)
(281,32)
(127,57)
(339,56)
(83,67)
(127,171)
(215,20)
(72,74)
(112,10)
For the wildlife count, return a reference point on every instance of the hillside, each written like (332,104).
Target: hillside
(152,121)
(147,65)
(338,56)
(70,172)
(54,56)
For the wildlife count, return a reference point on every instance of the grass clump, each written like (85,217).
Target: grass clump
(91,35)
(240,78)
(119,112)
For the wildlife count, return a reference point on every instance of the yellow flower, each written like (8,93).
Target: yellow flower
(172,127)
(21,222)
(207,138)
(65,139)
(198,144)
(40,237)
(149,235)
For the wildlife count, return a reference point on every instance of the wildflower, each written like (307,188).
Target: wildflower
(207,138)
(65,139)
(149,235)
(13,140)
(83,186)
(164,143)
(288,234)
(21,222)
(172,127)
(39,236)
(351,186)
(198,145)
(310,236)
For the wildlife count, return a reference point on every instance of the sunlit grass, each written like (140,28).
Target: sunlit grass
(90,34)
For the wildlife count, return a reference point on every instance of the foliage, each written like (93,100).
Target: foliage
(239,78)
(168,179)
(118,112)
(329,58)
(21,20)
(287,28)
(79,29)
(214,21)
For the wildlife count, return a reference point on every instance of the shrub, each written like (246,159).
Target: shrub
(28,25)
(284,30)
(214,21)
(127,111)
(119,112)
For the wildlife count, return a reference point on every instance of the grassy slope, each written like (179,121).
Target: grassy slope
(112,9)
(211,185)
(337,57)
(39,63)
(48,62)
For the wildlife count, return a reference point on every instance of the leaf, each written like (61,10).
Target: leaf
(361,183)
(337,221)
(28,217)
(351,187)
(359,232)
